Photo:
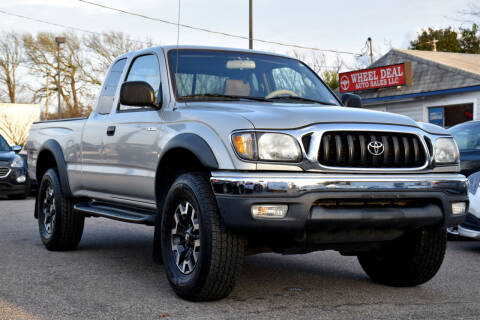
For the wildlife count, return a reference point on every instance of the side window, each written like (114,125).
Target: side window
(105,101)
(144,68)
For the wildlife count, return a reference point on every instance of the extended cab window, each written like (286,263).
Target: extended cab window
(105,101)
(144,68)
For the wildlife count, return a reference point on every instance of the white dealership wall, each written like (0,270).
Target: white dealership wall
(417,108)
(21,116)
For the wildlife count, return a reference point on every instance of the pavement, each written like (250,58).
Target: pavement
(111,276)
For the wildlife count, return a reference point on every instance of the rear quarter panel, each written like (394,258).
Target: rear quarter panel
(68,134)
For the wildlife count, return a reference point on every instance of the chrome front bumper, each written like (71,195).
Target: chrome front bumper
(237,192)
(295,184)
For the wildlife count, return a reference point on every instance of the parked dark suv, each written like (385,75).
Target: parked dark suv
(14,181)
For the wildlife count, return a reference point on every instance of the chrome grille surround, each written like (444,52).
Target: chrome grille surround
(4,172)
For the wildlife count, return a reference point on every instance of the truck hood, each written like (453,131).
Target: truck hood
(290,116)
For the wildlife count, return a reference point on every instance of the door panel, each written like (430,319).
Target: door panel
(132,154)
(130,147)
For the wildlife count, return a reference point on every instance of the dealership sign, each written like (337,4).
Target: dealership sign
(381,77)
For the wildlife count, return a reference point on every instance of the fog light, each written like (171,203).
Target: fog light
(21,179)
(459,207)
(269,211)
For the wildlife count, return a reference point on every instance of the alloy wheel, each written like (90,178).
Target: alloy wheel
(49,212)
(185,237)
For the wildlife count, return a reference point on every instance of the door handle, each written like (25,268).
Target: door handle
(111,130)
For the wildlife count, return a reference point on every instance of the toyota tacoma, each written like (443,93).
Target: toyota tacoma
(230,152)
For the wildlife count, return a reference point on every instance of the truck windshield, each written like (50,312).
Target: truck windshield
(4,145)
(227,75)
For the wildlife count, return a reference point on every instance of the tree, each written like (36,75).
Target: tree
(331,78)
(470,39)
(448,40)
(77,81)
(15,131)
(317,62)
(11,56)
(108,46)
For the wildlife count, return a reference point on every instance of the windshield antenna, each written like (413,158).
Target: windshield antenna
(176,65)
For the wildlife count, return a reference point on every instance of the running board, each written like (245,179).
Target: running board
(125,214)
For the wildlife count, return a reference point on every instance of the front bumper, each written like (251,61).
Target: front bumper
(236,192)
(9,184)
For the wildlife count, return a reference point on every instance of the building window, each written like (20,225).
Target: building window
(448,116)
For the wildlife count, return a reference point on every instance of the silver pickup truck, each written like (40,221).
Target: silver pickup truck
(232,152)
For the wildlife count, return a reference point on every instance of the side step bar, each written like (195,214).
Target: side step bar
(126,214)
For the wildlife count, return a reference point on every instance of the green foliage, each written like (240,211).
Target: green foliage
(449,40)
(331,78)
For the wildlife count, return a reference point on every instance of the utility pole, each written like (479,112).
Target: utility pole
(59,40)
(250,29)
(434,42)
(46,97)
(371,50)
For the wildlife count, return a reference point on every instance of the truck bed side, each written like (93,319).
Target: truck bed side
(55,140)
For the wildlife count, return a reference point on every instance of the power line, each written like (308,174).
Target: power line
(60,25)
(214,31)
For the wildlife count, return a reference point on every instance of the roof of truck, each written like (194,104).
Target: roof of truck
(195,47)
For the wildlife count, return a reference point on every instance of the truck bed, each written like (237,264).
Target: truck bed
(66,132)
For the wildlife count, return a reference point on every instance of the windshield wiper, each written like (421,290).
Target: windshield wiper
(221,96)
(301,99)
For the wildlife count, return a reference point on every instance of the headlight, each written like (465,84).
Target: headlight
(446,151)
(267,146)
(17,162)
(278,147)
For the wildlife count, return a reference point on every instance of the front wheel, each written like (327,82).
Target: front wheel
(60,227)
(411,260)
(202,258)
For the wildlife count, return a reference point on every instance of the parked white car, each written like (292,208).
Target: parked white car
(471,226)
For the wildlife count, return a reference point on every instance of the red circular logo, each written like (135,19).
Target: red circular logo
(344,83)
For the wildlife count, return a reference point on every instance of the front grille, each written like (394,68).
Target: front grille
(4,172)
(351,149)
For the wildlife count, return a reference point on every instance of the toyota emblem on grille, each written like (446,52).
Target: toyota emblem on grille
(375,148)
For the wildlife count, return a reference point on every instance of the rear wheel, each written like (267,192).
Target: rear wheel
(60,227)
(411,260)
(202,258)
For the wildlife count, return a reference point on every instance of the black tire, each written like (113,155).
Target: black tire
(411,260)
(221,252)
(67,228)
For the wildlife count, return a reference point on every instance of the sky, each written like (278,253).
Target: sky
(338,25)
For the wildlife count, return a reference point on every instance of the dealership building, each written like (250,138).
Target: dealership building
(437,87)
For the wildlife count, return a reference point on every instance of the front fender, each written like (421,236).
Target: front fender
(197,145)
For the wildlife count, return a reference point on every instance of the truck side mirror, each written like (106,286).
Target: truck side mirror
(137,93)
(351,100)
